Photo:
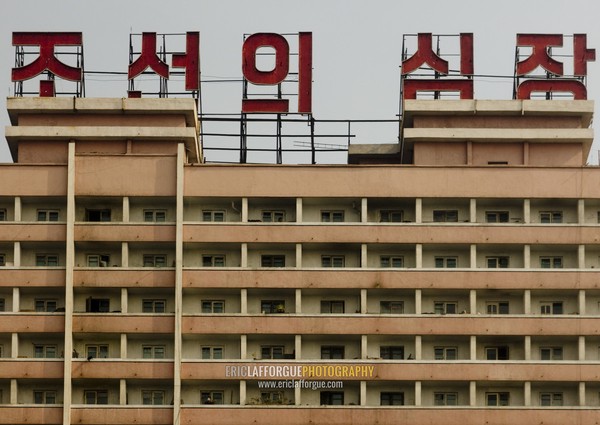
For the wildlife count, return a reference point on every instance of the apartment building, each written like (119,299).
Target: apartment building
(452,282)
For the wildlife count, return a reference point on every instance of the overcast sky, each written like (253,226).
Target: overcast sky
(356,44)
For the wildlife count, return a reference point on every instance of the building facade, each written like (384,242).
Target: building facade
(451,281)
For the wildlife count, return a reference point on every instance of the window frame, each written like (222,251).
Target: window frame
(333,261)
(445,398)
(550,262)
(154,349)
(152,394)
(213,215)
(554,353)
(499,262)
(551,398)
(394,307)
(102,351)
(391,352)
(333,216)
(49,215)
(391,216)
(98,260)
(331,398)
(210,394)
(499,352)
(213,303)
(211,350)
(333,352)
(333,304)
(445,262)
(498,216)
(46,305)
(45,394)
(96,396)
(48,260)
(154,303)
(445,351)
(104,215)
(498,306)
(390,397)
(445,216)
(272,352)
(551,217)
(273,216)
(443,307)
(45,351)
(391,261)
(2,259)
(502,398)
(154,215)
(272,260)
(154,260)
(214,260)
(273,306)
(551,308)
(3,214)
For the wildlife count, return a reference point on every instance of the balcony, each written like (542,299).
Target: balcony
(31,369)
(117,415)
(122,323)
(110,369)
(21,415)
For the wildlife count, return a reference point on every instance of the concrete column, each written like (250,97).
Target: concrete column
(581,211)
(69,297)
(18,210)
(527,343)
(298,255)
(123,347)
(581,301)
(14,346)
(244,254)
(581,348)
(244,210)
(363,210)
(124,301)
(297,396)
(363,301)
(124,254)
(243,347)
(527,393)
(299,210)
(473,210)
(298,301)
(298,347)
(418,210)
(122,392)
(581,256)
(418,347)
(527,301)
(473,256)
(418,304)
(125,209)
(242,393)
(363,255)
(473,301)
(17,254)
(473,348)
(244,301)
(472,393)
(526,211)
(582,394)
(16,301)
(417,393)
(526,256)
(419,256)
(14,390)
(363,393)
(363,347)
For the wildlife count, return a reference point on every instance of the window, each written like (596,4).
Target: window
(213,260)
(271,397)
(153,351)
(391,261)
(97,214)
(44,397)
(391,399)
(155,216)
(213,306)
(496,307)
(497,399)
(496,216)
(211,397)
(47,215)
(268,352)
(2,304)
(551,216)
(551,307)
(391,216)
(445,307)
(46,260)
(213,215)
(445,353)
(272,306)
(445,216)
(273,216)
(95,396)
(497,262)
(551,399)
(98,260)
(3,215)
(151,260)
(496,353)
(445,399)
(45,305)
(212,352)
(331,352)
(333,261)
(97,305)
(97,351)
(446,262)
(2,260)
(551,353)
(272,260)
(391,307)
(332,216)
(332,398)
(153,397)
(551,262)
(154,306)
(1,353)
(334,307)
(45,351)
(391,352)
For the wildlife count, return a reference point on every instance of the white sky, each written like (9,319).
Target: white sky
(356,44)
